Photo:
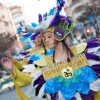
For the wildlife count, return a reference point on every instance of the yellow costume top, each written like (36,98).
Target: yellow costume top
(77,49)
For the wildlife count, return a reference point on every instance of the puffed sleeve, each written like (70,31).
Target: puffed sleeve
(19,64)
(20,76)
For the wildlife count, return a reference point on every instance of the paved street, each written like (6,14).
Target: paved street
(11,95)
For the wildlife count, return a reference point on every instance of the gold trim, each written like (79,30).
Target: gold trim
(55,69)
(49,60)
(73,49)
(37,51)
(50,29)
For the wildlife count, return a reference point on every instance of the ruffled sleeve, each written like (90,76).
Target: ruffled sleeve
(19,64)
(20,77)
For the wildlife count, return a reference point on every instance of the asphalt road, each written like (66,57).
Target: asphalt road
(11,95)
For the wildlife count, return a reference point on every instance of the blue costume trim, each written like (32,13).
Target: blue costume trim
(78,82)
(40,56)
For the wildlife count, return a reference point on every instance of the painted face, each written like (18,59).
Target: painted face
(38,40)
(49,40)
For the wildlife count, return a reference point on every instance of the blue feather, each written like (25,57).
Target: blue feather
(60,4)
(34,25)
(51,11)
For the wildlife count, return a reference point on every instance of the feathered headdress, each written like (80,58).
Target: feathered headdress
(59,25)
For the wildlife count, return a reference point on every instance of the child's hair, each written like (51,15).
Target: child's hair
(45,51)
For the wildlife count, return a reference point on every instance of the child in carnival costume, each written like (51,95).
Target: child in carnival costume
(37,52)
(32,54)
(82,81)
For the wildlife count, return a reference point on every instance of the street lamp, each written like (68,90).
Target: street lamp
(88,30)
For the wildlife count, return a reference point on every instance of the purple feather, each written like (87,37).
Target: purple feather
(21,24)
(40,80)
(96,69)
(24,53)
(39,18)
(92,56)
(57,18)
(54,96)
(34,35)
(92,43)
(90,96)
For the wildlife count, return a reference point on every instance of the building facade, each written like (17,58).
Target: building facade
(80,9)
(17,16)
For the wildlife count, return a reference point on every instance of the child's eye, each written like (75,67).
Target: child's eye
(49,36)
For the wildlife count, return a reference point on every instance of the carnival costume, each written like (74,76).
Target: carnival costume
(74,80)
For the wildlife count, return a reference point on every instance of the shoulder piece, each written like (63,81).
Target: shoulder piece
(77,49)
(44,62)
(37,51)
(42,59)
